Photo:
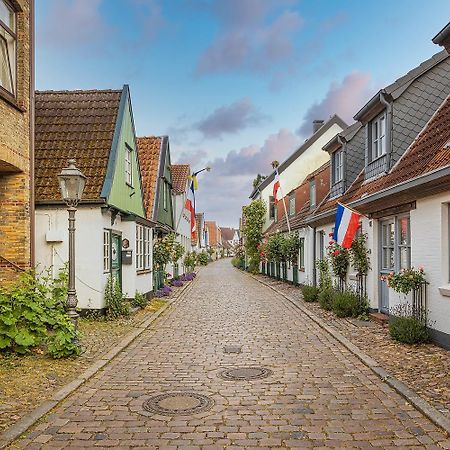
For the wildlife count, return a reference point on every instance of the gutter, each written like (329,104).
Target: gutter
(62,203)
(32,139)
(389,124)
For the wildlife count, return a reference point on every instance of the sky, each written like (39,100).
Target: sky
(235,84)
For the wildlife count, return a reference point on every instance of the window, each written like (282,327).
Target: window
(321,245)
(106,250)
(387,245)
(292,204)
(404,242)
(377,140)
(7,47)
(338,166)
(128,165)
(165,196)
(272,208)
(312,193)
(143,246)
(302,254)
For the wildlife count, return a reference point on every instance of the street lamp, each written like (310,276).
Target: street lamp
(71,183)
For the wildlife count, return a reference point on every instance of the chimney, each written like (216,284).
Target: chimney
(317,124)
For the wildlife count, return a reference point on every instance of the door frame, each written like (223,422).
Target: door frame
(116,234)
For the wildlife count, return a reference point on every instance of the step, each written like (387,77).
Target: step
(378,317)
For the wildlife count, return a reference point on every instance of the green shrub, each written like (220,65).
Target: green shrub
(326,298)
(310,293)
(32,314)
(408,330)
(203,258)
(238,262)
(348,304)
(114,300)
(139,300)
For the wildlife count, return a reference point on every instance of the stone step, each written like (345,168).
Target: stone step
(379,317)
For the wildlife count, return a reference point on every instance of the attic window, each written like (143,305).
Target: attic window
(377,137)
(338,166)
(128,165)
(312,193)
(7,47)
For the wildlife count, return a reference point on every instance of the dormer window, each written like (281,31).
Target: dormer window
(292,204)
(272,208)
(128,165)
(8,40)
(338,166)
(377,137)
(312,193)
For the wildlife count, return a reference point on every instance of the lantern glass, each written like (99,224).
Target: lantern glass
(72,183)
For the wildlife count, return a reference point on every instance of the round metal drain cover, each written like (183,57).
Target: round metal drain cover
(245,373)
(178,404)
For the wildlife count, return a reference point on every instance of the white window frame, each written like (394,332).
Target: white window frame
(301,256)
(292,204)
(143,247)
(8,37)
(128,165)
(312,193)
(106,251)
(378,136)
(338,166)
(272,208)
(406,245)
(165,195)
(321,245)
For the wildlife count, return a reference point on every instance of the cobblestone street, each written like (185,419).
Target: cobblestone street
(314,393)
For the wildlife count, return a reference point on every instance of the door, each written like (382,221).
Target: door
(116,257)
(387,262)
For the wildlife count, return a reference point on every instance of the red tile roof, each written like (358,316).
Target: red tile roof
(78,125)
(180,173)
(227,233)
(212,232)
(149,153)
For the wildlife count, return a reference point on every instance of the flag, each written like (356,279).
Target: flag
(276,186)
(347,222)
(190,206)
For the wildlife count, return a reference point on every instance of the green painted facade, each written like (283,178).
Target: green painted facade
(164,213)
(124,196)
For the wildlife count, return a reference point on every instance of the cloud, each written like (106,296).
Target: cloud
(344,99)
(230,119)
(73,23)
(254,36)
(150,18)
(194,158)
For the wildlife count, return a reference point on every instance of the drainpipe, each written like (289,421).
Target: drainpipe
(389,117)
(314,256)
(31,131)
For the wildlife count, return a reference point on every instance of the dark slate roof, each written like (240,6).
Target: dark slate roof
(180,174)
(443,37)
(78,125)
(149,153)
(346,134)
(335,119)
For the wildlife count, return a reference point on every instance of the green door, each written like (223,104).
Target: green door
(116,257)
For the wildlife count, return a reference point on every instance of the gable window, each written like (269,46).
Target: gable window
(272,208)
(106,251)
(338,166)
(143,246)
(312,193)
(404,242)
(292,204)
(7,47)
(377,138)
(301,256)
(128,165)
(165,196)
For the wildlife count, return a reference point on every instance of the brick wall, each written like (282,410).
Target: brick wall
(15,235)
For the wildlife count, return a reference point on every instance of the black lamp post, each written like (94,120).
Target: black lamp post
(71,183)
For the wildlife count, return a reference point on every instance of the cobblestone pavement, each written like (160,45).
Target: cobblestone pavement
(318,396)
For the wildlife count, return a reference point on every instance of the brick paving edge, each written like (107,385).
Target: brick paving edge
(22,425)
(418,402)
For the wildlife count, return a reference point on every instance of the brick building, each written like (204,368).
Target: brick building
(16,131)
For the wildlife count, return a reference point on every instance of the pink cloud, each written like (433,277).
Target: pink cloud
(344,99)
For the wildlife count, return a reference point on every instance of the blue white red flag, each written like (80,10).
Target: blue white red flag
(347,223)
(190,206)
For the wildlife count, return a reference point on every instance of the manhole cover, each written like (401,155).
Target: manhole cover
(232,349)
(178,404)
(245,373)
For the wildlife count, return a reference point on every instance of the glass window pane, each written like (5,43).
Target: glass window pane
(5,66)
(403,231)
(7,15)
(404,257)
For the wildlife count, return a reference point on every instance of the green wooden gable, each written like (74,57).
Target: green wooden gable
(123,187)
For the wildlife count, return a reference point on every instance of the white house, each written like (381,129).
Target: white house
(113,236)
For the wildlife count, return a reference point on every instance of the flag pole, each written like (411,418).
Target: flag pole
(351,209)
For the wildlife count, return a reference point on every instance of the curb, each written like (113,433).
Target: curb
(408,394)
(22,425)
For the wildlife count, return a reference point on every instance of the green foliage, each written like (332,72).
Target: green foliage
(406,280)
(326,297)
(348,304)
(325,281)
(202,258)
(253,217)
(276,248)
(238,262)
(408,326)
(310,293)
(359,254)
(114,300)
(177,251)
(139,300)
(190,261)
(32,314)
(258,180)
(166,250)
(339,259)
(291,247)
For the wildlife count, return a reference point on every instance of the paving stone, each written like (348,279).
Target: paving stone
(318,394)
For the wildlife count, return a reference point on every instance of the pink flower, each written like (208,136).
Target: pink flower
(420,268)
(330,234)
(331,242)
(336,253)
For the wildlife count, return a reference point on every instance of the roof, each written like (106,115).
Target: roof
(443,37)
(428,153)
(335,119)
(78,125)
(149,152)
(396,89)
(180,173)
(212,232)
(227,233)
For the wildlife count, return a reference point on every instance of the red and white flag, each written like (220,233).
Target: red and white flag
(190,206)
(276,186)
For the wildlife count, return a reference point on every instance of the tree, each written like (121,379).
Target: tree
(258,180)
(254,215)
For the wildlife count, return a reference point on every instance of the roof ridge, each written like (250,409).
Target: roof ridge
(80,91)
